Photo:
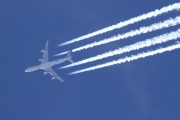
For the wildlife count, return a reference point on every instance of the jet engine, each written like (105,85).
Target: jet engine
(45,73)
(53,78)
(42,50)
(40,60)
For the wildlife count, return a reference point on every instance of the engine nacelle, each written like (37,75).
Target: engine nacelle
(42,50)
(40,60)
(53,78)
(45,73)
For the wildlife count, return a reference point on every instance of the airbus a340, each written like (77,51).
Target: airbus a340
(46,64)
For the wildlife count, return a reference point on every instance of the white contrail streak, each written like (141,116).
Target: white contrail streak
(175,6)
(128,59)
(132,33)
(138,45)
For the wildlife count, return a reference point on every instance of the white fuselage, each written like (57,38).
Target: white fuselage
(46,65)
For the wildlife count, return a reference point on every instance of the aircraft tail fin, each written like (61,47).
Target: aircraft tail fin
(70,56)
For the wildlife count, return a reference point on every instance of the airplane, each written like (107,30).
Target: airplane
(46,64)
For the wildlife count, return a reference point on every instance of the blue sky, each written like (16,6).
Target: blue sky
(144,89)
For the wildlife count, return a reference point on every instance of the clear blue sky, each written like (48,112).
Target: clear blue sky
(145,89)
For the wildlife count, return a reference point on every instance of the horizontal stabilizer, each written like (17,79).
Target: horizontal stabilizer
(70,56)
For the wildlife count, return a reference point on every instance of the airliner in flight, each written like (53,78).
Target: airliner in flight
(46,64)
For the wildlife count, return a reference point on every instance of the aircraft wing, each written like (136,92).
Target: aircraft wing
(55,76)
(45,54)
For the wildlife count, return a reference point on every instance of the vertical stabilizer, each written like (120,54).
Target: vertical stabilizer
(70,57)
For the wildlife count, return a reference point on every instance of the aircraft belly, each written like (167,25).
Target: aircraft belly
(46,65)
(60,61)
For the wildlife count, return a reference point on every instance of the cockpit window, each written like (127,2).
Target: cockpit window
(33,66)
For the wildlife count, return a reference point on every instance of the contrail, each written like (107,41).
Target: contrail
(138,45)
(175,6)
(128,59)
(141,30)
